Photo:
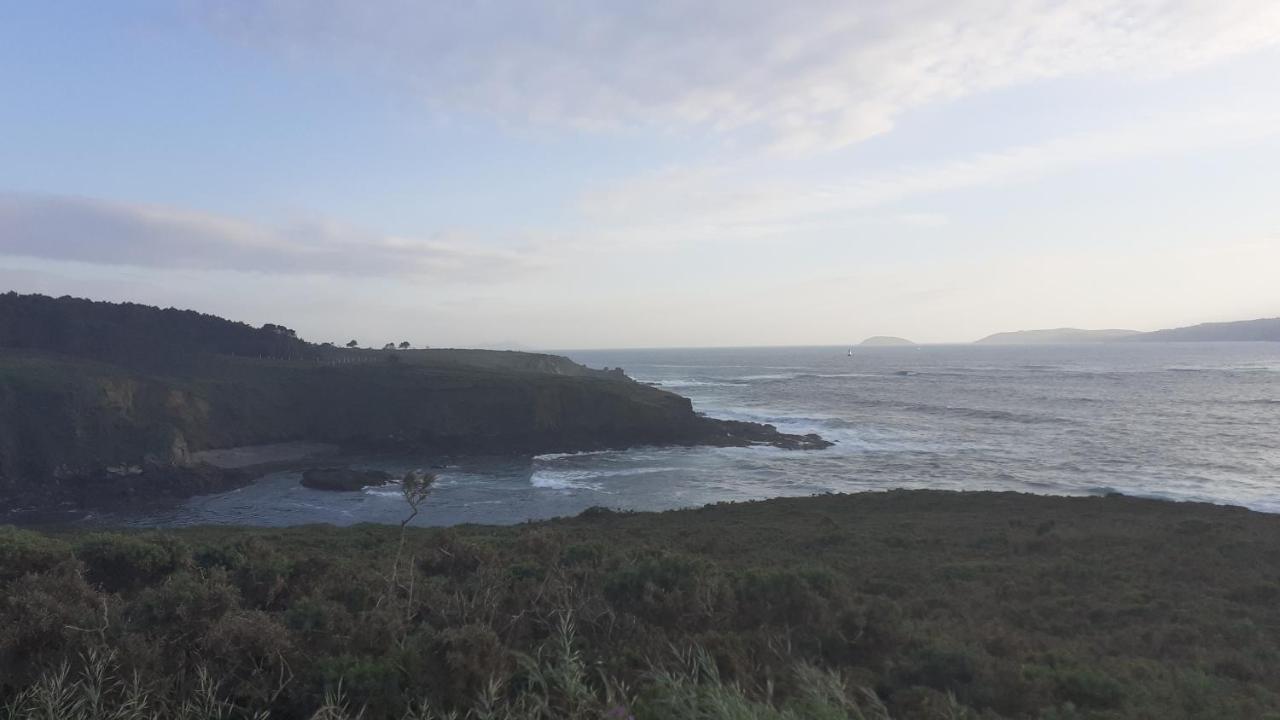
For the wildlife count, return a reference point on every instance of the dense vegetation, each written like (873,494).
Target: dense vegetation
(894,605)
(134,334)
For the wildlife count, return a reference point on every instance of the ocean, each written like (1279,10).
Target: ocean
(1193,422)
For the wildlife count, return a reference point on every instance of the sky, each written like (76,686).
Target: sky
(599,173)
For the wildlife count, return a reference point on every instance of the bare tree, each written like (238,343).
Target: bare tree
(414,488)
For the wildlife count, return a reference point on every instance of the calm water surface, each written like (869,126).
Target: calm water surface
(1186,422)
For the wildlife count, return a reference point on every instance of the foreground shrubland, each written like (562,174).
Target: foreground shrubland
(893,605)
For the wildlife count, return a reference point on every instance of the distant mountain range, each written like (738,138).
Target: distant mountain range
(885,341)
(1242,331)
(1057,336)
(1267,329)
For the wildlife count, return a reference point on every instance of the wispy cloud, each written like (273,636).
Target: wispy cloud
(796,76)
(730,200)
(95,231)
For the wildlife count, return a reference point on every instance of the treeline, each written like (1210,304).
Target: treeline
(130,333)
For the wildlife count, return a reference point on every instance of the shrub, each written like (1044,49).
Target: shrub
(119,563)
(252,654)
(23,552)
(257,567)
(469,656)
(185,605)
(1089,688)
(372,683)
(583,555)
(663,588)
(318,618)
(454,557)
(941,668)
(784,597)
(44,619)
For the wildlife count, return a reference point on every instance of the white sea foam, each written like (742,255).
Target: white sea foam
(583,479)
(384,491)
(688,382)
(549,457)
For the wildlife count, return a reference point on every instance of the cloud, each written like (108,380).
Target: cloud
(799,76)
(87,230)
(732,200)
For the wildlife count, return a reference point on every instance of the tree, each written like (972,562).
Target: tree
(353,344)
(404,345)
(389,346)
(414,488)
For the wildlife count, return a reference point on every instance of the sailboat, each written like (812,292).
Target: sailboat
(850,352)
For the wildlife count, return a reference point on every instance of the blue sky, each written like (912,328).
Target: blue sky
(597,174)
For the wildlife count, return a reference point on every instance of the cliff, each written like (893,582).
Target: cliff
(74,430)
(103,400)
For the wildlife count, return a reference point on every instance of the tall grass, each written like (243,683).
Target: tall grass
(555,683)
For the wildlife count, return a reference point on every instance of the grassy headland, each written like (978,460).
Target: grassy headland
(903,604)
(103,402)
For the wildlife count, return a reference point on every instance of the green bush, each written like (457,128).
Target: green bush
(454,557)
(44,618)
(942,668)
(666,589)
(783,597)
(23,552)
(118,563)
(1088,688)
(588,555)
(372,683)
(469,657)
(185,605)
(255,565)
(252,654)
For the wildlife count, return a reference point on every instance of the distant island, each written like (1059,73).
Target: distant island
(1265,330)
(885,341)
(1057,336)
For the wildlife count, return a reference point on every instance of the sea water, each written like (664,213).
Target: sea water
(1195,422)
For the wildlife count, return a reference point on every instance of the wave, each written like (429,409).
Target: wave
(583,479)
(549,457)
(690,382)
(1247,368)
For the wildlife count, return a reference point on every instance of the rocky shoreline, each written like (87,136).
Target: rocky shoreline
(325,466)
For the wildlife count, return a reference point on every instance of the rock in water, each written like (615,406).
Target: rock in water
(343,479)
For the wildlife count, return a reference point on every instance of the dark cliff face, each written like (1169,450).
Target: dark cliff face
(98,397)
(67,423)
